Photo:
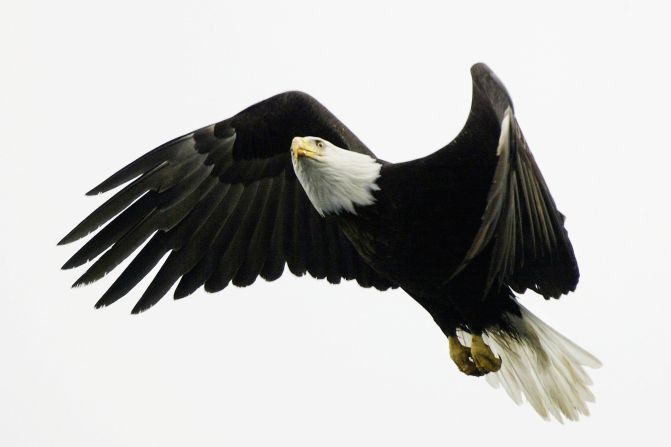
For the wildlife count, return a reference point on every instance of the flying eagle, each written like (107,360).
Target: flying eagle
(284,182)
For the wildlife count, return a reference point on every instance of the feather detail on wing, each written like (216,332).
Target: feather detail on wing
(530,248)
(225,203)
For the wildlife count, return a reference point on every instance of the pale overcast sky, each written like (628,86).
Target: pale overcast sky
(86,88)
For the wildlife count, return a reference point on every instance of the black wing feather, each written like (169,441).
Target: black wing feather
(530,248)
(139,267)
(224,201)
(151,180)
(273,266)
(177,149)
(259,244)
(206,251)
(298,240)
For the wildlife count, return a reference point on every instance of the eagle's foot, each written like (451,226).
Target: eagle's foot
(483,357)
(461,356)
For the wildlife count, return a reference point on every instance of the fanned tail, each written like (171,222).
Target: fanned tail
(542,366)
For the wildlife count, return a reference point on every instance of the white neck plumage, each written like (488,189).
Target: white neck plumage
(336,180)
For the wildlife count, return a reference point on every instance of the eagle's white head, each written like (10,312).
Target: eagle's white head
(334,179)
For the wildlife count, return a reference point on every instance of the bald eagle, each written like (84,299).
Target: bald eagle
(284,182)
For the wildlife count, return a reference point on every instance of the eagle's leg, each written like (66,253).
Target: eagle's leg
(483,357)
(461,355)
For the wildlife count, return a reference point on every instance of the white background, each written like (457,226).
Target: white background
(85,88)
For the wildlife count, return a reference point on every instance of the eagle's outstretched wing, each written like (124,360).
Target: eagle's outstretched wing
(225,202)
(487,196)
(530,248)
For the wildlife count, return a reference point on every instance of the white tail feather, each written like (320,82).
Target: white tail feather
(542,366)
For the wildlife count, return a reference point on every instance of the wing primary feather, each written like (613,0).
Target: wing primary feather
(250,244)
(168,274)
(298,239)
(139,267)
(113,231)
(117,203)
(532,210)
(173,205)
(161,177)
(199,253)
(526,209)
(161,243)
(362,273)
(333,260)
(317,254)
(209,244)
(128,219)
(273,266)
(260,241)
(173,149)
(232,255)
(188,227)
(119,251)
(347,256)
(215,281)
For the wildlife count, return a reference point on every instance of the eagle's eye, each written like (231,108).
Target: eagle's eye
(320,143)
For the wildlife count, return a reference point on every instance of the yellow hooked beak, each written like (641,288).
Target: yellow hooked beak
(300,147)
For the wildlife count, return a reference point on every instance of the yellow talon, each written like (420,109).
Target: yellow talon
(483,357)
(461,356)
